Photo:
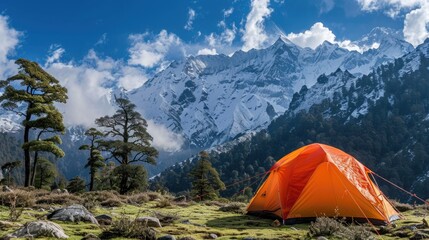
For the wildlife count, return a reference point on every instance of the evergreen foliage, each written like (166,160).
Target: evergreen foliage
(76,185)
(45,174)
(205,179)
(127,141)
(95,160)
(31,94)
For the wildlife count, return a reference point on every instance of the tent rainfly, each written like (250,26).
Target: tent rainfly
(319,180)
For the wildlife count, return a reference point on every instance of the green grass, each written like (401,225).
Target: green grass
(203,220)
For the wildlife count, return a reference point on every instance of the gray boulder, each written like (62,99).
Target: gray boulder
(39,229)
(73,213)
(150,221)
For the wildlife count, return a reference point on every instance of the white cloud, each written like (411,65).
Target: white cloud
(163,138)
(55,54)
(191,17)
(148,51)
(254,35)
(207,51)
(416,16)
(227,12)
(90,84)
(313,37)
(390,7)
(318,33)
(416,25)
(102,40)
(9,40)
(326,6)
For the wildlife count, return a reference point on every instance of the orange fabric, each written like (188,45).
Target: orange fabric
(318,180)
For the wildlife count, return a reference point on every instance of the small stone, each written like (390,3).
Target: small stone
(276,223)
(150,221)
(321,238)
(167,237)
(64,191)
(212,236)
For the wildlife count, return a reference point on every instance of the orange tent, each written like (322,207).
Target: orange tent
(320,180)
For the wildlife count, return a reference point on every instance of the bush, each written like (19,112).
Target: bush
(125,227)
(235,207)
(112,202)
(164,202)
(59,199)
(166,218)
(154,195)
(324,226)
(138,198)
(23,198)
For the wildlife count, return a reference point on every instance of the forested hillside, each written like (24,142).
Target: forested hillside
(389,135)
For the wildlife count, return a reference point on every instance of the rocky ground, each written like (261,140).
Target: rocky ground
(107,215)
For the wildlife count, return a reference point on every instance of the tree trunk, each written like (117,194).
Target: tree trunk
(124,180)
(91,183)
(33,170)
(27,158)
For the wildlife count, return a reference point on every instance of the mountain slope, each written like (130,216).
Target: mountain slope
(212,99)
(381,118)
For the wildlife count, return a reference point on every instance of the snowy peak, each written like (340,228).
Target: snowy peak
(210,99)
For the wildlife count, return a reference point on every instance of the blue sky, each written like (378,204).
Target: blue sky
(93,46)
(78,25)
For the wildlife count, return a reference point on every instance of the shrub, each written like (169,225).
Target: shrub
(23,198)
(138,198)
(112,202)
(59,199)
(235,207)
(166,218)
(324,226)
(125,227)
(154,195)
(164,202)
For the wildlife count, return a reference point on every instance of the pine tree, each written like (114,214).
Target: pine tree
(31,94)
(95,160)
(128,141)
(76,185)
(205,179)
(46,173)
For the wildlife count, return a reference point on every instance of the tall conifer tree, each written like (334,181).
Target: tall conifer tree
(127,141)
(31,94)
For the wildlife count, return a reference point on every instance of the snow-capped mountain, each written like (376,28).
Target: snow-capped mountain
(381,118)
(211,99)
